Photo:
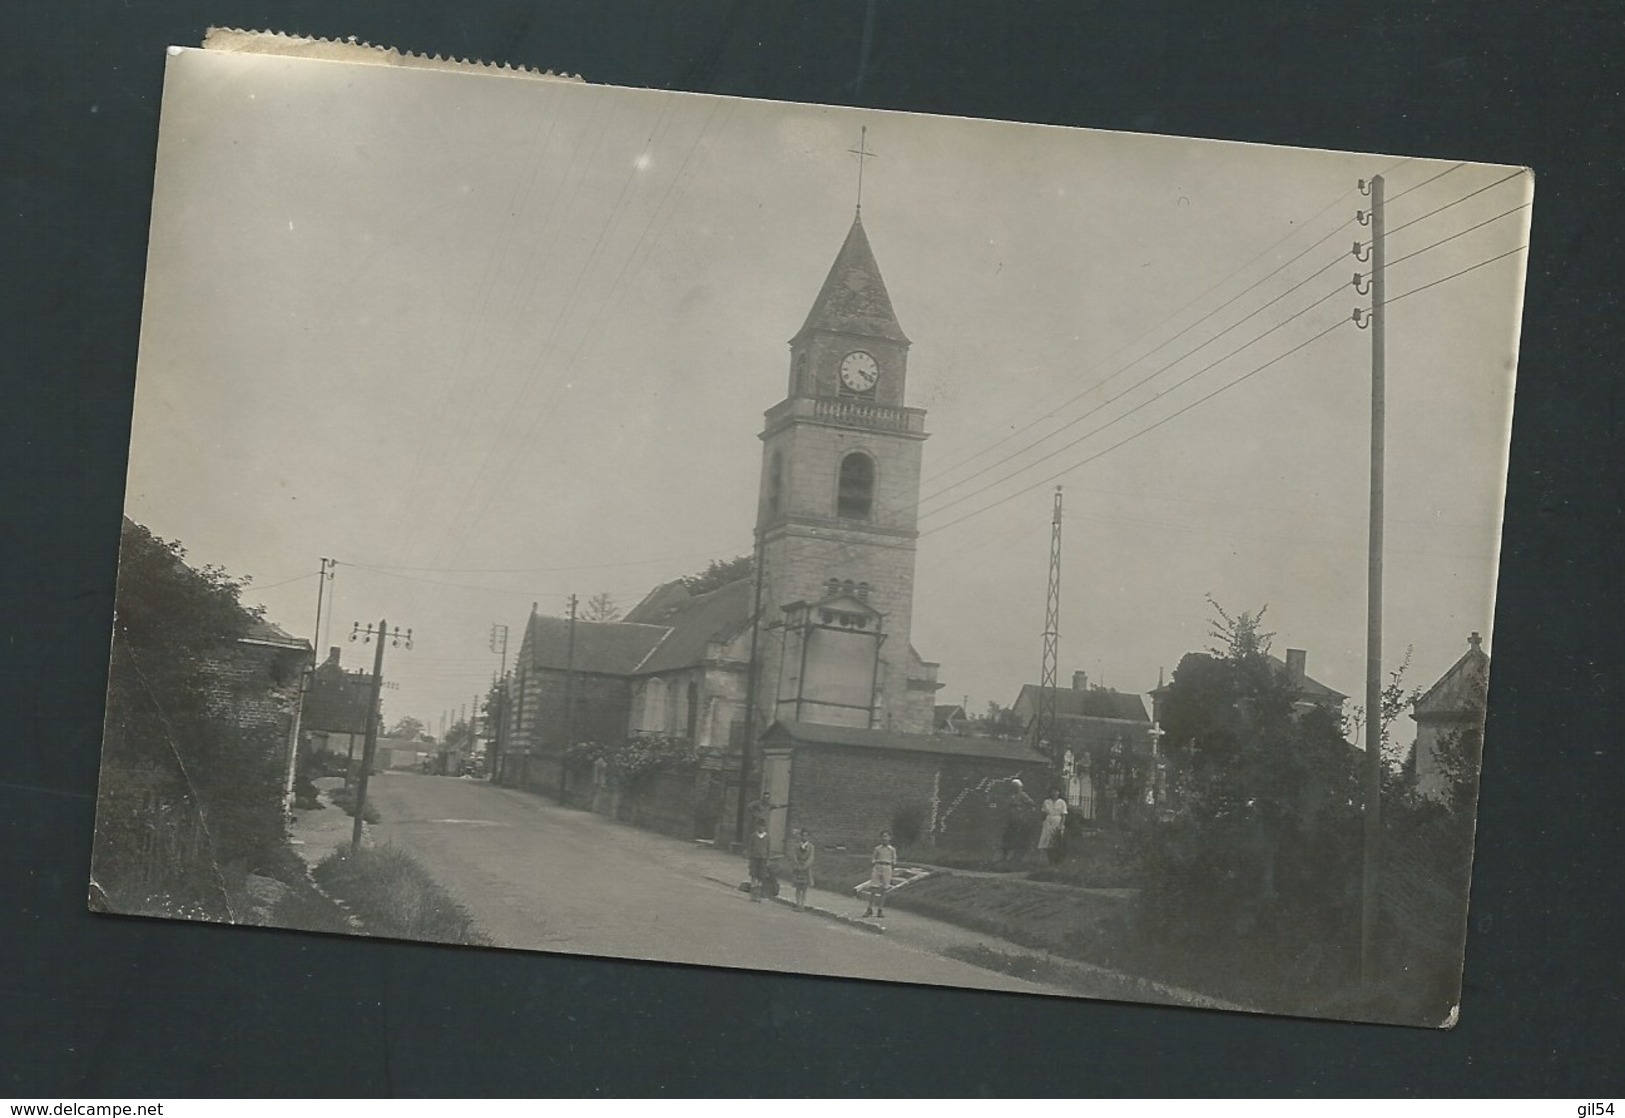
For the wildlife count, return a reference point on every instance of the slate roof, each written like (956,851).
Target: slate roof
(601,647)
(693,622)
(1072,703)
(807,733)
(854,299)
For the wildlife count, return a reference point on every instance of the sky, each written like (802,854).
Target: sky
(490,340)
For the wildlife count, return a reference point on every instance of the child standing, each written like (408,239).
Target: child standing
(801,864)
(885,859)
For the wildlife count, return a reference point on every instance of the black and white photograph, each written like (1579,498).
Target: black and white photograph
(651,525)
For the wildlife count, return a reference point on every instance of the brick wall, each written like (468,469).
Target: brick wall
(602,709)
(848,796)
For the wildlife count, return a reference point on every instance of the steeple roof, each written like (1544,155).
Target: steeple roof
(853,299)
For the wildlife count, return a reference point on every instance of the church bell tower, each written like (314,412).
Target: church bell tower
(837,512)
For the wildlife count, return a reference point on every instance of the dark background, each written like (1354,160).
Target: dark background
(111,1006)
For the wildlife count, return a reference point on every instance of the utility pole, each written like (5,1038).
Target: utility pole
(569,704)
(1371,878)
(322,579)
(750,697)
(499,701)
(1044,723)
(371,747)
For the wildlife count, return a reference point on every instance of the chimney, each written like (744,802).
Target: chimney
(1080,681)
(1296,659)
(333,656)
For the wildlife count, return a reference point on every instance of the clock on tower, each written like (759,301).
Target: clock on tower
(840,486)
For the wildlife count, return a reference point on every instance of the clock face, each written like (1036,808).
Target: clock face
(859,371)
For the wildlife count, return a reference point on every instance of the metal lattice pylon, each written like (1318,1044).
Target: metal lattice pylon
(1044,724)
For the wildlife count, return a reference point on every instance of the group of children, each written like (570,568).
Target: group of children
(802,854)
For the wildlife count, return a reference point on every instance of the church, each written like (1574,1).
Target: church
(801,680)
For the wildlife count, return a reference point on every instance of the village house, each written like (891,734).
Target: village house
(1100,738)
(1450,710)
(334,713)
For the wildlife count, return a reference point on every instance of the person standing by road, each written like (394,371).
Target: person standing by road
(758,848)
(801,866)
(880,871)
(1052,835)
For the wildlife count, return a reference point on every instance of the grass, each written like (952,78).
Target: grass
(1060,973)
(1076,924)
(304,908)
(392,895)
(344,798)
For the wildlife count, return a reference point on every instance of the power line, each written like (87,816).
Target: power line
(1144,403)
(1223,388)
(1137,384)
(1144,380)
(1175,314)
(1143,431)
(1392,299)
(1454,202)
(1424,182)
(1453,236)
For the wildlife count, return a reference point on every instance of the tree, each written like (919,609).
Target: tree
(719,573)
(188,796)
(999,722)
(412,729)
(600,607)
(460,735)
(1265,847)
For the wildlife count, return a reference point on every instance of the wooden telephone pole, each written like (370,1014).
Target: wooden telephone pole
(1371,877)
(396,638)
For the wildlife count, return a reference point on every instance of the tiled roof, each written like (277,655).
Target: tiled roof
(265,632)
(601,647)
(853,299)
(1072,703)
(1310,688)
(695,622)
(807,733)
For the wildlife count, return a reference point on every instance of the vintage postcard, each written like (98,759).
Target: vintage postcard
(770,536)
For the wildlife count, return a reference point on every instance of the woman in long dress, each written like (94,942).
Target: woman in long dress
(1052,833)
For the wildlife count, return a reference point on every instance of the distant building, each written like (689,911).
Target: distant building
(1308,693)
(846,784)
(334,714)
(1101,742)
(1451,708)
(950,719)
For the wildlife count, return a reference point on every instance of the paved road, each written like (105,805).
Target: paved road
(542,877)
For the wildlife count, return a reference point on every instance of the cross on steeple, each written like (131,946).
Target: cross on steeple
(862,152)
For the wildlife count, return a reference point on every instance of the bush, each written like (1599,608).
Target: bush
(1100,860)
(392,895)
(344,799)
(908,823)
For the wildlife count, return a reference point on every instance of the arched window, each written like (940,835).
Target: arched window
(775,483)
(855,495)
